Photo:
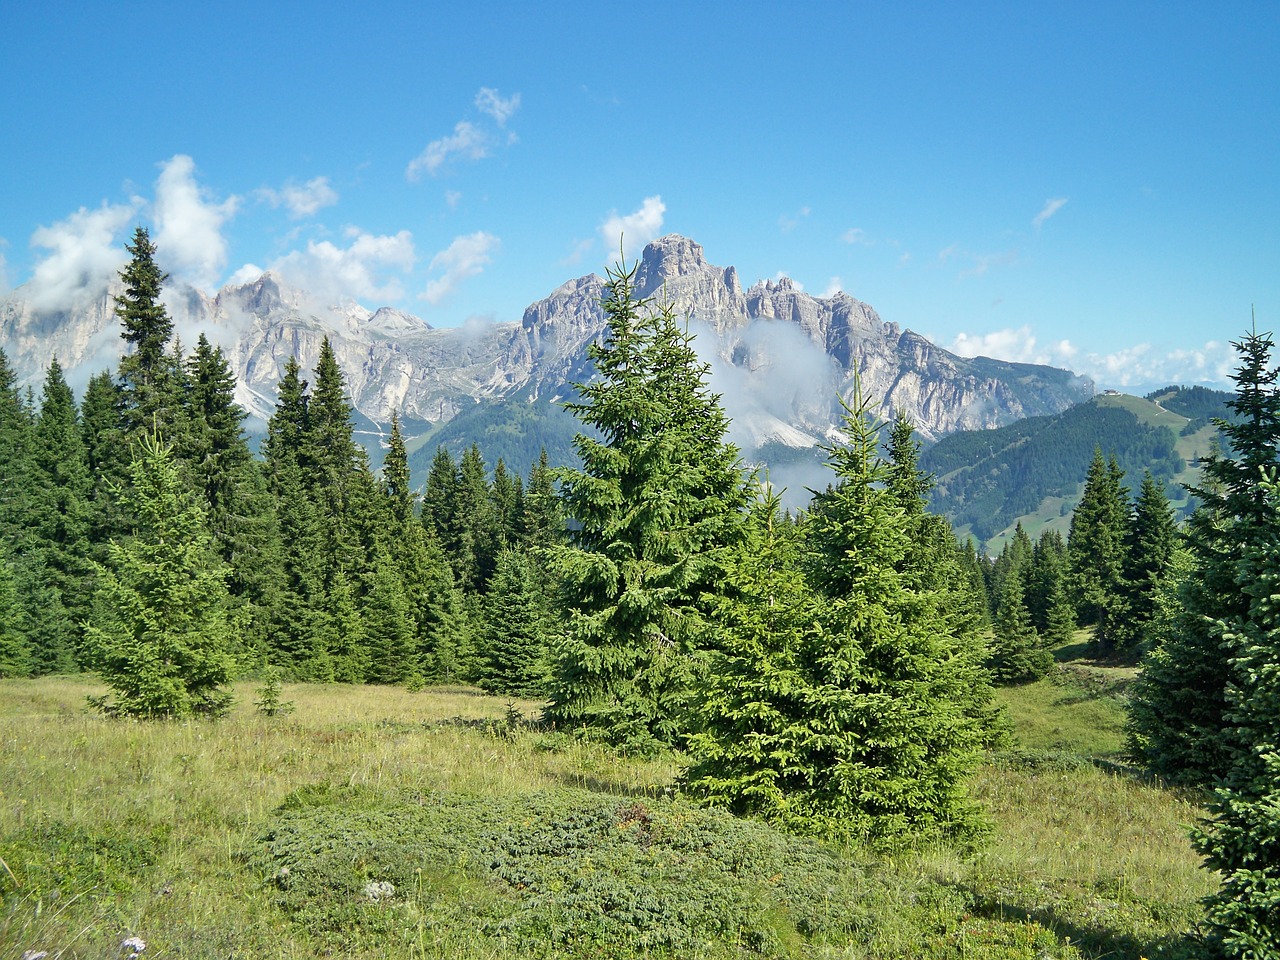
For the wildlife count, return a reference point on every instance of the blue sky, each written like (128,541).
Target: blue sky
(1095,186)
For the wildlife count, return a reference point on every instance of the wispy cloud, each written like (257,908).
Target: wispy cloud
(469,141)
(579,250)
(465,257)
(302,200)
(491,103)
(855,236)
(978,264)
(789,221)
(1050,207)
(633,230)
(1144,365)
(188,235)
(834,285)
(365,269)
(84,255)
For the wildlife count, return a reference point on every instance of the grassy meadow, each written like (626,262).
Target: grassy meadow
(375,822)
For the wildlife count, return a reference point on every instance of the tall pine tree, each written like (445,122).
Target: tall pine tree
(1096,545)
(658,500)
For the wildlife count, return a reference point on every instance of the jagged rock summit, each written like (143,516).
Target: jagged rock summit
(782,358)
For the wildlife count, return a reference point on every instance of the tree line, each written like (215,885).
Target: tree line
(310,563)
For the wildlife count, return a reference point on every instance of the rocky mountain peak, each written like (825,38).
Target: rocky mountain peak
(669,257)
(674,269)
(793,353)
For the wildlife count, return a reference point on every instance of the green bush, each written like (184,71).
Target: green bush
(569,873)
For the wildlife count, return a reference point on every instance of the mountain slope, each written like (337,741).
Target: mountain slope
(1033,471)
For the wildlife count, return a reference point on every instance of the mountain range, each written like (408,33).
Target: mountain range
(781,358)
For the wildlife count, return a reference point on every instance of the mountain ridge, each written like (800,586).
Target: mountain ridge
(781,358)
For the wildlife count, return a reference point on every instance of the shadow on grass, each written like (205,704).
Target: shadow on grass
(613,788)
(1092,940)
(1072,651)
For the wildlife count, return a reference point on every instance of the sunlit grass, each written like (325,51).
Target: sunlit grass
(156,820)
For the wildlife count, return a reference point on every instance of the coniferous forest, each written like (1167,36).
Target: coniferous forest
(834,673)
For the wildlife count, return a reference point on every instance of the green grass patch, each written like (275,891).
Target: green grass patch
(376,823)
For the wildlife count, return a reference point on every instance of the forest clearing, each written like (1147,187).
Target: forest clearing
(271,835)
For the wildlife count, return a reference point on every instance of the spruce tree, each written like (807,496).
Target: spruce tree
(1239,838)
(659,498)
(342,645)
(541,522)
(1048,600)
(215,458)
(16,442)
(1152,538)
(387,621)
(440,501)
(513,633)
(751,751)
(162,638)
(1095,545)
(395,476)
(149,373)
(296,640)
(1181,721)
(1017,653)
(103,429)
(479,526)
(147,326)
(57,575)
(895,725)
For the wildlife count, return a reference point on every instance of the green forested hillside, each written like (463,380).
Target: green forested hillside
(1033,470)
(515,431)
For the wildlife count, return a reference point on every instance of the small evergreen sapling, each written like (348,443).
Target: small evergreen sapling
(269,703)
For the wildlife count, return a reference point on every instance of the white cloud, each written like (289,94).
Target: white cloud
(246,274)
(85,255)
(359,270)
(463,258)
(1144,367)
(781,275)
(855,235)
(634,230)
(1051,206)
(468,141)
(834,285)
(490,103)
(1017,345)
(188,236)
(451,198)
(1141,366)
(302,201)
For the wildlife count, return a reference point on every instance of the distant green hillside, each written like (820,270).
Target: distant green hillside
(1033,470)
(513,430)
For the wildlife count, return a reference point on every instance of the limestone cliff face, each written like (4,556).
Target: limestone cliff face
(782,358)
